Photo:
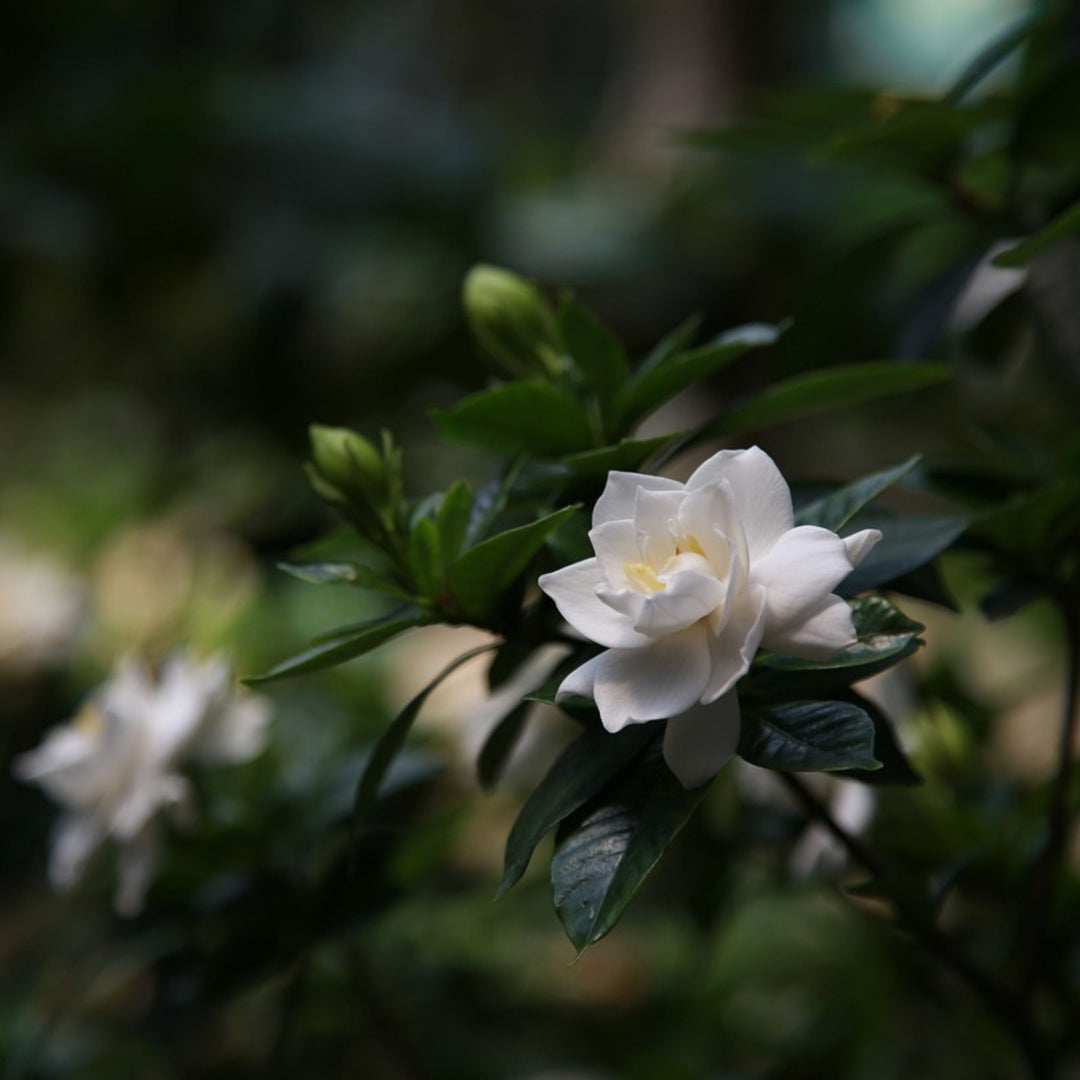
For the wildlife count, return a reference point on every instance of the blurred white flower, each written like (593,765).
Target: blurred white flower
(116,767)
(687,581)
(41,606)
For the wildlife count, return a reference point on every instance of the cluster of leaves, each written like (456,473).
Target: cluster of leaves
(458,557)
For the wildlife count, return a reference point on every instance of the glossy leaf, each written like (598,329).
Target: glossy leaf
(895,767)
(479,576)
(652,385)
(907,543)
(453,519)
(626,456)
(808,736)
(520,417)
(346,645)
(393,738)
(578,774)
(835,510)
(500,744)
(605,853)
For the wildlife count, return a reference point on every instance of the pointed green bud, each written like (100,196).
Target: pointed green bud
(347,461)
(512,321)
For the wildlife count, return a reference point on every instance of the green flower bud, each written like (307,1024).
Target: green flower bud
(348,462)
(512,321)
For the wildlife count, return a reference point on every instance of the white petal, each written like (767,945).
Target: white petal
(709,516)
(700,741)
(573,588)
(149,792)
(580,681)
(731,651)
(617,501)
(688,596)
(615,544)
(802,568)
(234,733)
(819,635)
(859,544)
(661,680)
(762,496)
(75,838)
(656,515)
(136,867)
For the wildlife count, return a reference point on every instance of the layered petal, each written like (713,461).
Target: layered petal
(800,570)
(617,501)
(820,634)
(573,588)
(732,650)
(615,544)
(656,515)
(761,495)
(859,545)
(653,683)
(699,742)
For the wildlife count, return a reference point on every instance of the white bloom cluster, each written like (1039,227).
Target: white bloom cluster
(688,580)
(116,767)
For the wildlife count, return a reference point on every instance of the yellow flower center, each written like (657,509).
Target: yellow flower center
(643,576)
(89,720)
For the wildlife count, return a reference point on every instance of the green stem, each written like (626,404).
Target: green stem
(998,1000)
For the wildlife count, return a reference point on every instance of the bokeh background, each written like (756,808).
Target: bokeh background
(220,222)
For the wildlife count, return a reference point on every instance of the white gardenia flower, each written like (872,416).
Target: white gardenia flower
(115,768)
(687,582)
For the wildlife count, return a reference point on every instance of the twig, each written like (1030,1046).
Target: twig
(998,1000)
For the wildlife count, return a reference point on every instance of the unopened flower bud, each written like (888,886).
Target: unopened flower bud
(348,462)
(512,321)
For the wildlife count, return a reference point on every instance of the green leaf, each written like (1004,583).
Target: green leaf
(627,455)
(671,345)
(1065,224)
(478,577)
(346,573)
(835,510)
(499,745)
(489,503)
(651,386)
(885,636)
(425,558)
(346,645)
(519,418)
(603,855)
(895,767)
(393,738)
(453,519)
(906,544)
(578,774)
(508,660)
(825,389)
(808,736)
(989,58)
(596,351)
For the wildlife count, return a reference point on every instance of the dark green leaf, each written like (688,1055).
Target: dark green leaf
(651,386)
(1065,224)
(489,503)
(479,576)
(579,773)
(520,417)
(604,855)
(885,636)
(989,58)
(425,559)
(393,738)
(346,573)
(835,510)
(453,519)
(509,658)
(895,767)
(906,544)
(499,745)
(596,351)
(825,389)
(671,345)
(626,456)
(347,645)
(808,736)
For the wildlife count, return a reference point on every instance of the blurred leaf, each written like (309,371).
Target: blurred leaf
(393,738)
(885,636)
(478,577)
(596,351)
(578,774)
(835,510)
(520,417)
(1065,224)
(825,389)
(650,386)
(346,645)
(603,856)
(808,736)
(670,345)
(425,558)
(925,583)
(907,543)
(507,661)
(989,58)
(345,573)
(500,744)
(1036,522)
(453,520)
